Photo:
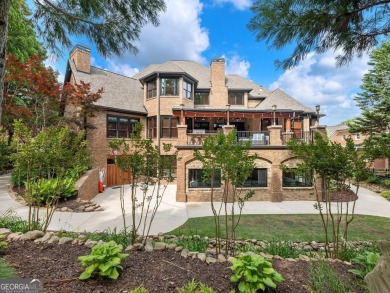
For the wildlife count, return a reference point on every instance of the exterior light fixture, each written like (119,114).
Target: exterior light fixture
(318,107)
(274,110)
(227,113)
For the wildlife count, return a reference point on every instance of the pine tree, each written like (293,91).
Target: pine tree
(354,26)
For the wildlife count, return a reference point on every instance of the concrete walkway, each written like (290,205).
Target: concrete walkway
(172,214)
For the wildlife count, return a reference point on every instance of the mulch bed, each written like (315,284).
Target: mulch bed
(159,272)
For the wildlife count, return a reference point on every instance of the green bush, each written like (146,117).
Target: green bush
(193,243)
(107,235)
(366,262)
(10,220)
(254,272)
(283,248)
(48,190)
(386,194)
(322,279)
(5,153)
(386,182)
(195,287)
(373,179)
(104,260)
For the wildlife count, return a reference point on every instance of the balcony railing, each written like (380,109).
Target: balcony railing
(306,136)
(254,137)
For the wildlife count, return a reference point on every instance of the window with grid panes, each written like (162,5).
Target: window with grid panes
(236,98)
(120,127)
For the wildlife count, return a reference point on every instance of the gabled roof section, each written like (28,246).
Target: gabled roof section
(236,82)
(120,92)
(332,130)
(283,102)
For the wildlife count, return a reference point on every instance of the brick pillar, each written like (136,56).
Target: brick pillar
(287,136)
(182,135)
(181,195)
(276,183)
(227,129)
(321,129)
(275,132)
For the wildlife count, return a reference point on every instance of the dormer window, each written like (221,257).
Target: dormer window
(236,99)
(169,87)
(187,90)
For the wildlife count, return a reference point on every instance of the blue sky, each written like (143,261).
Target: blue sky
(200,30)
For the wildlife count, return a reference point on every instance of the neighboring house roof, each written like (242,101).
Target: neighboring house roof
(283,102)
(120,92)
(331,130)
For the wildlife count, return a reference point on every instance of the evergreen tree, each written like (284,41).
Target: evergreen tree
(351,25)
(375,104)
(22,40)
(112,25)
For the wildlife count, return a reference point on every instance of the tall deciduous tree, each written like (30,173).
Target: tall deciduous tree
(22,40)
(375,104)
(112,25)
(350,25)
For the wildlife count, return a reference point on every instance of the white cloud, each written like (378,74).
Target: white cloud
(239,4)
(179,36)
(317,80)
(236,66)
(121,68)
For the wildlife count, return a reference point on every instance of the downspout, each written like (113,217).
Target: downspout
(158,111)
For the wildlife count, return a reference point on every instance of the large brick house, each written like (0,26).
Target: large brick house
(339,133)
(182,102)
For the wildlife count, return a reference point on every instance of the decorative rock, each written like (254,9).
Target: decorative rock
(14,236)
(202,256)
(347,263)
(178,248)
(231,259)
(314,245)
(160,246)
(32,235)
(210,260)
(184,253)
(100,242)
(75,241)
(89,209)
(148,245)
(90,243)
(172,246)
(304,257)
(64,240)
(378,280)
(53,239)
(221,258)
(307,248)
(45,238)
(250,253)
(277,257)
(99,209)
(138,246)
(128,248)
(291,259)
(82,237)
(5,232)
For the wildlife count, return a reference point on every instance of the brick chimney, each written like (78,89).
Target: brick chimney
(81,55)
(219,91)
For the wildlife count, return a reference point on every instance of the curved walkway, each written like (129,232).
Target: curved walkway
(172,214)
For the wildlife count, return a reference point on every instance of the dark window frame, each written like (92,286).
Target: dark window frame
(195,179)
(163,87)
(196,99)
(187,93)
(131,121)
(292,179)
(151,89)
(233,100)
(152,126)
(254,179)
(172,129)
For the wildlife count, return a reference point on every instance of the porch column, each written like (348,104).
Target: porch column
(181,195)
(182,135)
(276,183)
(275,134)
(227,129)
(321,129)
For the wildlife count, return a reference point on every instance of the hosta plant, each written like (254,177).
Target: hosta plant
(254,272)
(103,260)
(366,262)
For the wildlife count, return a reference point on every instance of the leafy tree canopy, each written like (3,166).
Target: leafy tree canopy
(350,25)
(22,40)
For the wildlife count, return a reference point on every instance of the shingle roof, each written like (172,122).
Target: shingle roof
(120,92)
(239,82)
(283,102)
(331,130)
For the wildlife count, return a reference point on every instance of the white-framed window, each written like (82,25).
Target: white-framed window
(357,136)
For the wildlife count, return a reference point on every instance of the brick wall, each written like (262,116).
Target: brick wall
(82,59)
(219,91)
(87,185)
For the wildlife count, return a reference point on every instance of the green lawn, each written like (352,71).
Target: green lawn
(6,272)
(289,227)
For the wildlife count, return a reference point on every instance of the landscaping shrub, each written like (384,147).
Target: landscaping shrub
(3,244)
(10,220)
(373,179)
(195,287)
(283,248)
(103,260)
(322,279)
(386,182)
(193,243)
(48,190)
(386,194)
(139,289)
(5,153)
(366,262)
(107,235)
(254,272)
